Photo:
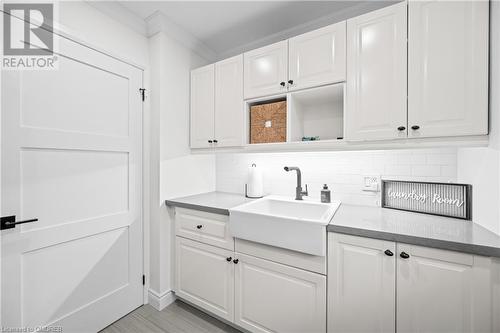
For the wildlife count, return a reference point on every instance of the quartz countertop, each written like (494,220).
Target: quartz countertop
(415,228)
(211,202)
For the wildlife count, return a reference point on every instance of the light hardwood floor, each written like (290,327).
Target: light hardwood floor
(178,317)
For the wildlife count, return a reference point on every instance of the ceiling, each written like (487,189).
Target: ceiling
(228,27)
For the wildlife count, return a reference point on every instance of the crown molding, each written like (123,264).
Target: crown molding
(121,14)
(332,18)
(158,22)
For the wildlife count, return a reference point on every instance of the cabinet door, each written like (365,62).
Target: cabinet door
(376,75)
(361,284)
(442,291)
(448,68)
(265,69)
(229,110)
(271,297)
(202,106)
(317,57)
(204,277)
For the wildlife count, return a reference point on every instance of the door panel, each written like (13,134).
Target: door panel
(229,108)
(448,68)
(205,277)
(71,156)
(376,75)
(271,297)
(358,301)
(265,69)
(318,57)
(202,106)
(442,291)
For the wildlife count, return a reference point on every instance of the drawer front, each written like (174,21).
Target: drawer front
(212,229)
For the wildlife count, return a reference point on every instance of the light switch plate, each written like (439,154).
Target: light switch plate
(371,183)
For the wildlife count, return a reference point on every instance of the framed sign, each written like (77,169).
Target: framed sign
(443,199)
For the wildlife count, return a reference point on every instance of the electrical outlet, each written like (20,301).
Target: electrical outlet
(371,183)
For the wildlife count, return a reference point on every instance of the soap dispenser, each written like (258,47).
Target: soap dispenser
(325,194)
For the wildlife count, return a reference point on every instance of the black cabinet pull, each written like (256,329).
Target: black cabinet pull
(401,128)
(388,253)
(415,127)
(215,141)
(236,261)
(404,255)
(290,81)
(282,83)
(210,141)
(9,222)
(199,226)
(228,259)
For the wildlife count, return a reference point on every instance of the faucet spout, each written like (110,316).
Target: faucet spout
(299,193)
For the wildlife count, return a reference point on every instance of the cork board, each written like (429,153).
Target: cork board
(268,122)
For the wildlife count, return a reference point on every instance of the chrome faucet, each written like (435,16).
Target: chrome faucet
(298,190)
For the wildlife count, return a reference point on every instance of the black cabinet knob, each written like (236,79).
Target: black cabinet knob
(290,81)
(199,226)
(282,83)
(215,141)
(210,141)
(228,259)
(236,261)
(415,127)
(388,253)
(401,128)
(404,255)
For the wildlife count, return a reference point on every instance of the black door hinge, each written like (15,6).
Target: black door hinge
(144,280)
(143,93)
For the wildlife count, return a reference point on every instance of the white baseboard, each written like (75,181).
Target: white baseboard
(160,301)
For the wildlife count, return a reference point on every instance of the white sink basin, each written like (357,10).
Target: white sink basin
(284,222)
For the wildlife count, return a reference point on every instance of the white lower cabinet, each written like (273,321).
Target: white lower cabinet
(417,289)
(361,284)
(204,276)
(271,297)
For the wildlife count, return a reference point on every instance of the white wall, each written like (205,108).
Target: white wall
(174,171)
(481,166)
(342,171)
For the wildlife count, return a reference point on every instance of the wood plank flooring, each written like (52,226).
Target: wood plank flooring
(178,317)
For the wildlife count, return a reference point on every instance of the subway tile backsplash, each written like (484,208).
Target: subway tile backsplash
(342,171)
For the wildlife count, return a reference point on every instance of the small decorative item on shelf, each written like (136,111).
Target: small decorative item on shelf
(310,138)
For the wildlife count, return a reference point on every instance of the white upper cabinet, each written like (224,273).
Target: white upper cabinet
(266,70)
(443,291)
(229,110)
(448,68)
(376,75)
(317,57)
(361,284)
(202,106)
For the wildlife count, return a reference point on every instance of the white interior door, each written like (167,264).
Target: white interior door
(71,157)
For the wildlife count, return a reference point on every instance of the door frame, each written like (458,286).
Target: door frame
(65,32)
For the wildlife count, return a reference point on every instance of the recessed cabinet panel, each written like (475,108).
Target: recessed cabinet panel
(362,284)
(271,297)
(205,277)
(229,107)
(318,57)
(202,106)
(448,68)
(376,75)
(442,291)
(265,69)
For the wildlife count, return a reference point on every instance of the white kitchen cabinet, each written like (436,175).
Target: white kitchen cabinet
(229,107)
(317,57)
(204,276)
(361,284)
(376,75)
(271,297)
(202,106)
(266,70)
(443,291)
(448,68)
